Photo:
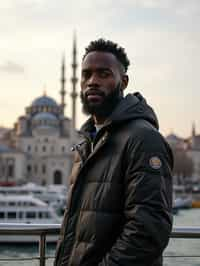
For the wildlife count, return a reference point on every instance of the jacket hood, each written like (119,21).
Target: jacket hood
(131,107)
(134,106)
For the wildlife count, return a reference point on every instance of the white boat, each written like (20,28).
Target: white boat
(54,195)
(26,209)
(182,203)
(181,199)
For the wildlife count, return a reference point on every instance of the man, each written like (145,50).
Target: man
(119,211)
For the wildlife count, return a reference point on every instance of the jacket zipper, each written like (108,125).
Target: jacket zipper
(100,144)
(73,148)
(76,147)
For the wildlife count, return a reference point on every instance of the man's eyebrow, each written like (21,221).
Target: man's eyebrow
(96,69)
(104,69)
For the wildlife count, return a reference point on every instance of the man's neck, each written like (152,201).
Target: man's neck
(99,120)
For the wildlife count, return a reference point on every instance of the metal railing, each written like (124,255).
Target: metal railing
(43,230)
(40,230)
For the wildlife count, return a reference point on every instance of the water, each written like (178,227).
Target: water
(176,247)
(186,247)
(26,252)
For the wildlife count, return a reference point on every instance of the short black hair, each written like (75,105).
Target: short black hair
(103,45)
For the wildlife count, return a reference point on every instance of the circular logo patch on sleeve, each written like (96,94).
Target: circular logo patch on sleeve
(155,162)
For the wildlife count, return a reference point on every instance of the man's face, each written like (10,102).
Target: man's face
(101,83)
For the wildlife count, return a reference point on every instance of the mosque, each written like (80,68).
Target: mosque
(37,149)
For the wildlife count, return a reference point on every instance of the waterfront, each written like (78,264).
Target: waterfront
(177,247)
(186,247)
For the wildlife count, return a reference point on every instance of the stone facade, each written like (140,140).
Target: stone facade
(191,146)
(41,142)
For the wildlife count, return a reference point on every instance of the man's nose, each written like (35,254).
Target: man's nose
(93,80)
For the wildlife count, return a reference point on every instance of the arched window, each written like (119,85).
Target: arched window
(10,171)
(29,168)
(57,177)
(44,169)
(44,182)
(29,148)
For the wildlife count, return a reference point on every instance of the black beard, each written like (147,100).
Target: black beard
(105,108)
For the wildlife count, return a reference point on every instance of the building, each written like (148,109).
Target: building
(193,151)
(176,142)
(12,164)
(38,148)
(191,146)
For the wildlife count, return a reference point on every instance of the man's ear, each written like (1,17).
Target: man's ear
(125,80)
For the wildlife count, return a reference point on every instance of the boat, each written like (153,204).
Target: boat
(181,199)
(26,209)
(182,203)
(196,196)
(196,201)
(53,195)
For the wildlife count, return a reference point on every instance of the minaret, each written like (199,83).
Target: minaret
(62,91)
(74,81)
(193,136)
(193,130)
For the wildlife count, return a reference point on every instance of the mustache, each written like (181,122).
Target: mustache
(94,91)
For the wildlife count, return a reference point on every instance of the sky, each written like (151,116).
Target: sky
(161,38)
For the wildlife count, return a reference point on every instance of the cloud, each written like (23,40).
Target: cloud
(161,38)
(11,67)
(42,17)
(177,5)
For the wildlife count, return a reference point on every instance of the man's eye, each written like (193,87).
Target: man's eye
(104,74)
(85,75)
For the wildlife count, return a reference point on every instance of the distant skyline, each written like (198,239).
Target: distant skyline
(161,38)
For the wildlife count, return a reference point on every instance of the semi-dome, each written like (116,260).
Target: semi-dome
(45,116)
(45,120)
(44,101)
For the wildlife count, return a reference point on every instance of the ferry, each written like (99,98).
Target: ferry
(53,195)
(26,209)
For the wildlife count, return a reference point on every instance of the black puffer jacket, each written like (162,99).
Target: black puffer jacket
(119,212)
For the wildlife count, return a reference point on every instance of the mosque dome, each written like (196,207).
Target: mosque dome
(45,120)
(44,116)
(44,101)
(44,104)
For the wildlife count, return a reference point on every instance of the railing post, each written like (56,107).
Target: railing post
(42,249)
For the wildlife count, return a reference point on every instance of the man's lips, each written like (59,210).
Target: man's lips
(94,95)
